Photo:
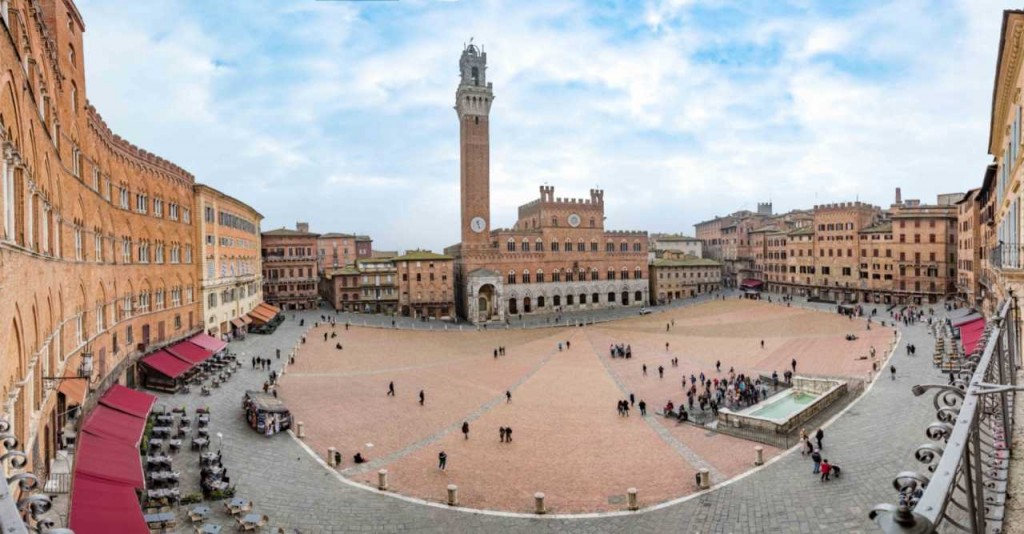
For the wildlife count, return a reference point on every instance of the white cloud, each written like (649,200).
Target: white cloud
(340,113)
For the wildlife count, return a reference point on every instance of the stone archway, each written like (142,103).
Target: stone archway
(527,305)
(625,298)
(485,302)
(513,305)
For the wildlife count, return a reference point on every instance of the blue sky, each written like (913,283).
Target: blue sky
(340,113)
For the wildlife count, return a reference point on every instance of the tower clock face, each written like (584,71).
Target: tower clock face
(478,224)
(574,220)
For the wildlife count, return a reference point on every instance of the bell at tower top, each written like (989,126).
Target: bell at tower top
(473,66)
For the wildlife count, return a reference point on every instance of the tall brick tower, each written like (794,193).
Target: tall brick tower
(473,105)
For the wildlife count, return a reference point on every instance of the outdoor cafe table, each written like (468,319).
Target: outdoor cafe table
(163,493)
(210,529)
(161,431)
(204,432)
(200,443)
(208,457)
(251,519)
(156,443)
(204,420)
(164,517)
(161,459)
(238,502)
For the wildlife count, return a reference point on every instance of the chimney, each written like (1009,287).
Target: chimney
(302,226)
(899,197)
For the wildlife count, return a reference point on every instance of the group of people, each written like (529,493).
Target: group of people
(261,363)
(499,351)
(621,351)
(822,466)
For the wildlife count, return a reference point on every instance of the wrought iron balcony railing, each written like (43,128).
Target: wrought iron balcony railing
(1007,255)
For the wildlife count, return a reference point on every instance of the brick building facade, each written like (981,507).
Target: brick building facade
(849,251)
(97,237)
(676,276)
(335,250)
(290,278)
(229,264)
(557,256)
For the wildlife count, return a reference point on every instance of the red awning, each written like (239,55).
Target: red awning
(116,425)
(970,334)
(259,316)
(750,282)
(128,401)
(166,364)
(109,460)
(190,352)
(99,507)
(209,343)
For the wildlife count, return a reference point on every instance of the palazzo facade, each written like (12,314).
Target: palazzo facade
(558,256)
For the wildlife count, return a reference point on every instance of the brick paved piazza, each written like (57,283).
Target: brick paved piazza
(873,441)
(569,441)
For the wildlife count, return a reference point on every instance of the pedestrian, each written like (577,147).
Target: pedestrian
(568,345)
(762,343)
(253,362)
(465,429)
(421,397)
(793,363)
(661,372)
(325,336)
(559,347)
(391,389)
(278,354)
(718,366)
(892,371)
(818,436)
(508,434)
(666,346)
(826,468)
(804,438)
(495,354)
(442,460)
(816,458)
(645,369)
(508,396)
(643,408)
(631,399)
(501,434)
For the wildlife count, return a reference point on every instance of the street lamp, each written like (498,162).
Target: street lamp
(220,441)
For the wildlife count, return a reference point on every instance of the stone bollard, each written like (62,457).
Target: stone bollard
(453,495)
(330,456)
(302,431)
(631,499)
(759,455)
(705,478)
(538,499)
(382,479)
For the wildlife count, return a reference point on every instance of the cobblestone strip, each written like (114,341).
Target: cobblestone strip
(373,465)
(695,459)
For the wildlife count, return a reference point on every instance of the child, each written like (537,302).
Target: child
(825,469)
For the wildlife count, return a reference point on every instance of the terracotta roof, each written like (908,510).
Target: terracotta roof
(879,228)
(289,232)
(803,230)
(418,255)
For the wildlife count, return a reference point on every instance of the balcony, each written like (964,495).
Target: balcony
(1006,256)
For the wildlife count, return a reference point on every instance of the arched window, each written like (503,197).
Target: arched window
(540,278)
(71,56)
(581,246)
(638,274)
(592,225)
(636,246)
(538,246)
(609,247)
(476,76)
(554,221)
(554,246)
(74,97)
(524,246)
(625,274)
(611,273)
(623,246)
(511,277)
(568,245)
(526,276)
(594,275)
(593,246)
(570,275)
(556,276)
(511,245)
